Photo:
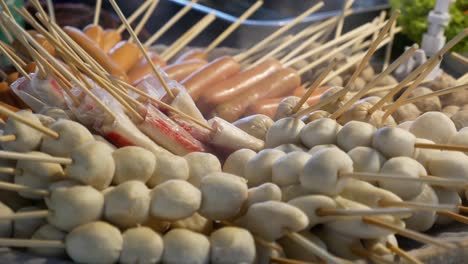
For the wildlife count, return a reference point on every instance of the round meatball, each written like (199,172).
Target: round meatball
(133,163)
(48,232)
(25,228)
(354,134)
(394,142)
(141,245)
(232,245)
(236,162)
(127,204)
(168,167)
(428,104)
(434,126)
(258,169)
(175,200)
(181,245)
(95,242)
(6,226)
(255,125)
(71,135)
(27,138)
(319,132)
(286,170)
(284,131)
(201,164)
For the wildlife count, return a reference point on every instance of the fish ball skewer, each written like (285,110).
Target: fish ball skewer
(434,126)
(354,134)
(168,167)
(48,232)
(232,245)
(201,164)
(262,193)
(181,245)
(287,169)
(366,159)
(26,137)
(133,163)
(319,132)
(141,245)
(258,169)
(25,228)
(237,161)
(284,131)
(71,135)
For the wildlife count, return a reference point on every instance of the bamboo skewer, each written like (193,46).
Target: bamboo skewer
(145,18)
(363,212)
(429,95)
(20,188)
(371,256)
(388,49)
(50,8)
(174,19)
(339,27)
(234,26)
(26,215)
(11,51)
(97,12)
(407,233)
(29,243)
(314,86)
(317,251)
(33,157)
(15,63)
(279,32)
(350,62)
(142,49)
(188,36)
(374,81)
(7,138)
(40,128)
(441,147)
(400,252)
(135,15)
(8,170)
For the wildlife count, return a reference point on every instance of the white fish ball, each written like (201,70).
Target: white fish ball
(293,191)
(319,132)
(71,206)
(32,181)
(92,164)
(287,148)
(354,134)
(201,164)
(127,204)
(286,170)
(449,164)
(405,125)
(407,167)
(394,142)
(423,220)
(461,139)
(258,169)
(310,204)
(279,216)
(338,244)
(174,200)
(168,167)
(27,138)
(366,159)
(45,170)
(48,232)
(446,196)
(133,163)
(284,131)
(232,245)
(367,194)
(236,162)
(423,155)
(181,245)
(255,125)
(95,242)
(296,251)
(434,126)
(286,106)
(141,245)
(262,193)
(223,195)
(317,148)
(321,172)
(71,135)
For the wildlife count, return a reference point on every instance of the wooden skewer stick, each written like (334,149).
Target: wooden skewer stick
(408,233)
(50,8)
(374,81)
(320,104)
(420,206)
(30,243)
(421,68)
(20,31)
(6,33)
(234,26)
(142,48)
(303,45)
(188,36)
(174,19)
(267,244)
(460,57)
(364,212)
(339,27)
(279,32)
(463,79)
(350,62)
(372,49)
(316,250)
(47,131)
(400,252)
(288,40)
(454,183)
(15,63)
(436,93)
(288,261)
(97,12)
(33,157)
(410,89)
(21,188)
(145,17)
(462,208)
(5,8)
(135,15)
(13,54)
(7,138)
(441,146)
(457,217)
(8,170)
(314,86)
(25,215)
(388,49)
(349,35)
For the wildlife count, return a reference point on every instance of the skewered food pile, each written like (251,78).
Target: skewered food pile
(114,166)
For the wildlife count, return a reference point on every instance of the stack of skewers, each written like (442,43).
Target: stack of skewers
(118,162)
